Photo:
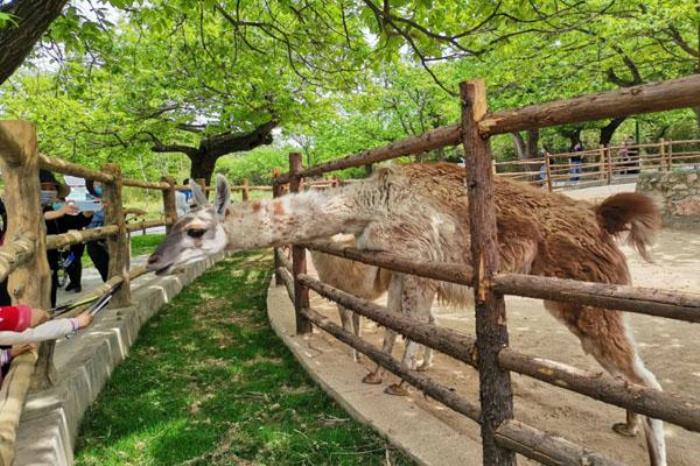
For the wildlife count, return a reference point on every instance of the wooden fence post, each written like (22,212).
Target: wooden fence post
(169,203)
(276,192)
(548,171)
(608,153)
(601,161)
(669,155)
(495,391)
(29,283)
(301,292)
(662,154)
(117,245)
(245,190)
(203,183)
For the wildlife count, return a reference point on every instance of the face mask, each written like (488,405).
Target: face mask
(57,205)
(98,191)
(47,197)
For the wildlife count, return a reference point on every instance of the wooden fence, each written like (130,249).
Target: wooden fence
(502,435)
(23,260)
(604,165)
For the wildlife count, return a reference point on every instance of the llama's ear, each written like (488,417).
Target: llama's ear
(223,195)
(200,199)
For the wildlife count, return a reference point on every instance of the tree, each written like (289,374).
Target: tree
(22,24)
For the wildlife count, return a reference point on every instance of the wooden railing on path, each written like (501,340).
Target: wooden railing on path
(502,435)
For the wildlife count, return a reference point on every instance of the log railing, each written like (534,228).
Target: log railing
(503,435)
(23,256)
(604,165)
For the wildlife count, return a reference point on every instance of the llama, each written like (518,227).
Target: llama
(421,210)
(362,280)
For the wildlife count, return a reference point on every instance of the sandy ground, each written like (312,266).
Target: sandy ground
(670,349)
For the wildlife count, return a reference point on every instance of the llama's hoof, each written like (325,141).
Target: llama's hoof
(372,378)
(624,429)
(356,356)
(424,366)
(396,390)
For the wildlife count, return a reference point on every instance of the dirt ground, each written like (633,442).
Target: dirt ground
(670,349)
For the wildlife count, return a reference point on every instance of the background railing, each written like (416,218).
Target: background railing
(502,435)
(605,165)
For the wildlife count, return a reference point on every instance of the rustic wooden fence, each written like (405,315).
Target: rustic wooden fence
(23,260)
(489,352)
(604,165)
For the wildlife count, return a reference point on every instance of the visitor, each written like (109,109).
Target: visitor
(97,249)
(183,198)
(543,168)
(576,160)
(623,156)
(21,326)
(54,212)
(4,295)
(73,257)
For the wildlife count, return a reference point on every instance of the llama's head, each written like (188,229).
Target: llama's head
(195,235)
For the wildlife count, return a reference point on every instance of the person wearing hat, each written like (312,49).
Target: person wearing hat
(52,191)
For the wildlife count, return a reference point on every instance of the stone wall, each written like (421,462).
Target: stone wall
(678,195)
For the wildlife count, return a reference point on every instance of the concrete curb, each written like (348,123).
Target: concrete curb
(406,425)
(49,424)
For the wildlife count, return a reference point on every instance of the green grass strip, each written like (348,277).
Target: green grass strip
(209,383)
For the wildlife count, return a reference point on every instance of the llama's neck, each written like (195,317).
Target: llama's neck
(294,218)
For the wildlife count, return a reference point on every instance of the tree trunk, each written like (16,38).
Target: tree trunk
(520,146)
(32,19)
(203,167)
(533,140)
(607,131)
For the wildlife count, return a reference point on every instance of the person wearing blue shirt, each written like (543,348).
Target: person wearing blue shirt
(97,250)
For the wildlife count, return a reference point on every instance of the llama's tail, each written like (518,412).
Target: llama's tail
(631,212)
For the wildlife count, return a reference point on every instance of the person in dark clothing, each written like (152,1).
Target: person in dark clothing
(5,299)
(72,259)
(97,250)
(54,213)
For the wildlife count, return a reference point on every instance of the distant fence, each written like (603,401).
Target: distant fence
(604,165)
(502,435)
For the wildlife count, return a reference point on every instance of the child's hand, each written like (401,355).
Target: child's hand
(21,349)
(84,319)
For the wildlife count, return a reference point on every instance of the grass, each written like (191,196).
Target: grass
(145,244)
(209,383)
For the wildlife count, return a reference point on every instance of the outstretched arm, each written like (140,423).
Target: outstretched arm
(50,330)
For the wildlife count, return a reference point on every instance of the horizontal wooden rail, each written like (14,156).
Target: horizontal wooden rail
(682,411)
(283,259)
(547,448)
(288,280)
(461,275)
(73,169)
(135,226)
(13,254)
(531,442)
(439,137)
(651,301)
(656,97)
(159,185)
(456,345)
(80,236)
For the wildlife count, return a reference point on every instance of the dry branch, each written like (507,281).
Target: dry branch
(651,301)
(453,273)
(655,97)
(80,236)
(14,254)
(73,169)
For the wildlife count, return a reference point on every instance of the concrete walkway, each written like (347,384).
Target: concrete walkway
(49,424)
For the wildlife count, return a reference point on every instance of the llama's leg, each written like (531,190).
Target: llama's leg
(393,305)
(427,362)
(346,316)
(416,300)
(357,330)
(604,335)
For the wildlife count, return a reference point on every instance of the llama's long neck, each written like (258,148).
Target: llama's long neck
(295,218)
